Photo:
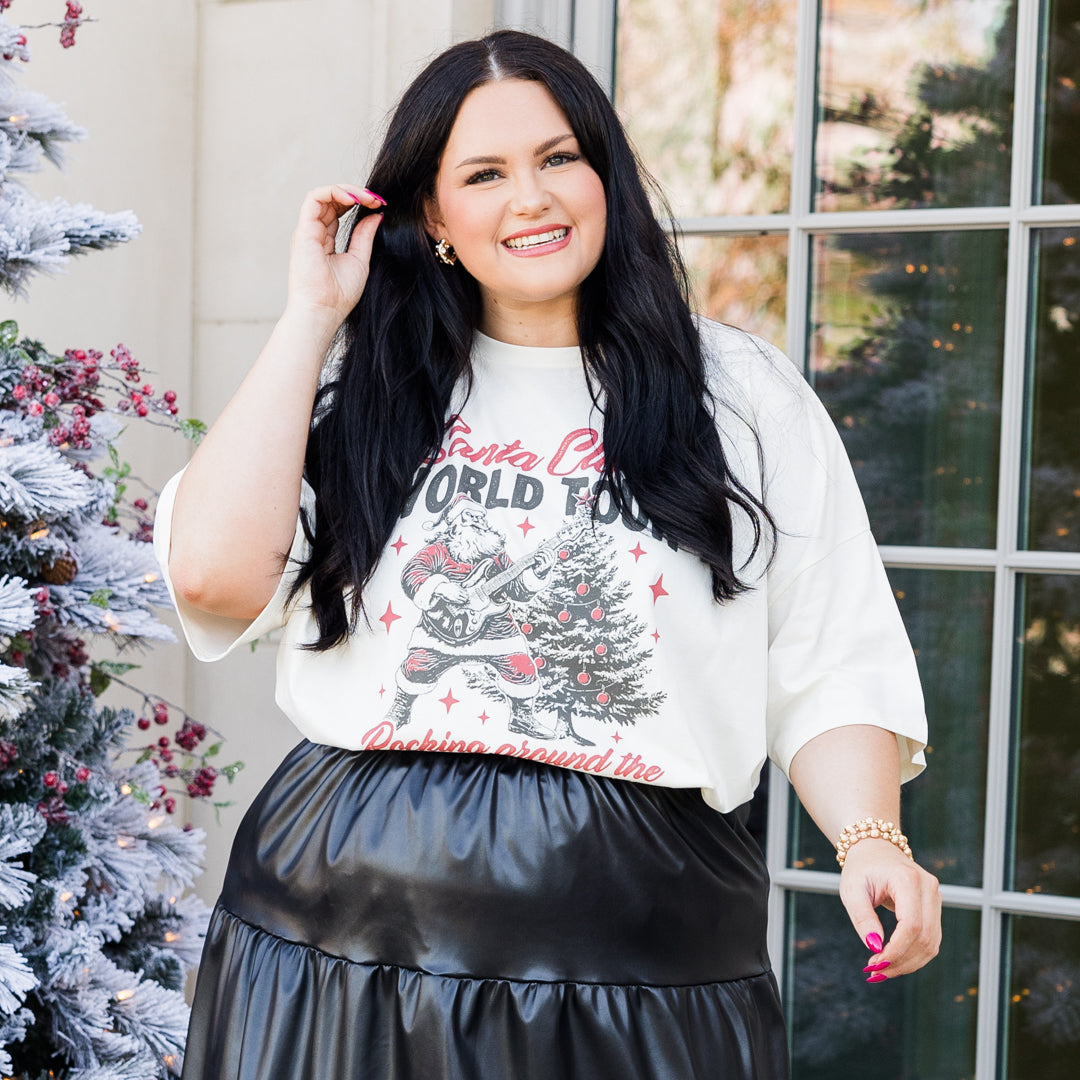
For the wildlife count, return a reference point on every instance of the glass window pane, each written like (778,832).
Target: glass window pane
(1052,476)
(1045,856)
(949,618)
(706,91)
(906,345)
(914,103)
(1040,1025)
(1059,179)
(918,1027)
(740,280)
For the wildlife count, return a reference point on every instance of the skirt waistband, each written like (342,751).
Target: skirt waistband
(491,867)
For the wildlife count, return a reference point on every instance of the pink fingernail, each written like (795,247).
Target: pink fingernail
(375,196)
(877,967)
(878,978)
(874,942)
(355,198)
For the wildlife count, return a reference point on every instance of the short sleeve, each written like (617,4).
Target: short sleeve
(212,637)
(838,652)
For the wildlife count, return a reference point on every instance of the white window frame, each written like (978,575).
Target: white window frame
(588,27)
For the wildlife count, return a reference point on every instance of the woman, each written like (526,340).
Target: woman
(537,670)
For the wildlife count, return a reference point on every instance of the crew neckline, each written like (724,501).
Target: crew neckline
(497,353)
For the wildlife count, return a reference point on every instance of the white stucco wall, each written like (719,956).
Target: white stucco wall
(210,119)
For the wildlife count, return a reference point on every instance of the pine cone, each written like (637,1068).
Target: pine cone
(61,572)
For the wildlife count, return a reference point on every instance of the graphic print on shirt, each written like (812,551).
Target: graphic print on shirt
(464,584)
(585,641)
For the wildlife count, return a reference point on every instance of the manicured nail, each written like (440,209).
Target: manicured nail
(874,942)
(878,978)
(877,967)
(355,198)
(374,196)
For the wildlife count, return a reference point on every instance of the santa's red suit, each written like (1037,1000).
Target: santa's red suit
(434,648)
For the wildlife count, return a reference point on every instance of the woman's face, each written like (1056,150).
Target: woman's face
(525,212)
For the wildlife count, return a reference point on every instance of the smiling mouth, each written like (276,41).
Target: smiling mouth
(536,239)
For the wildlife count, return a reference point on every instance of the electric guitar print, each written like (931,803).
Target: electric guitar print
(463,622)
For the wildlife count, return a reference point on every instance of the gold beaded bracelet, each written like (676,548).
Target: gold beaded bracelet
(867,828)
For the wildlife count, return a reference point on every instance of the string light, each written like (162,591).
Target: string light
(125,841)
(150,577)
(123,995)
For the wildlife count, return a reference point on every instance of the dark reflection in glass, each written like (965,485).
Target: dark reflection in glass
(914,104)
(906,342)
(1040,1023)
(707,93)
(1059,179)
(919,1027)
(949,618)
(1045,854)
(1052,476)
(740,280)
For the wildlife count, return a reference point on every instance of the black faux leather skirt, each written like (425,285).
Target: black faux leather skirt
(417,916)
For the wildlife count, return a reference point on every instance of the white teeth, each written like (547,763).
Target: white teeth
(537,238)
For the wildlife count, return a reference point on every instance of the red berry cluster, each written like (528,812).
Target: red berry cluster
(168,801)
(203,784)
(20,41)
(161,716)
(77,654)
(52,807)
(71,21)
(190,735)
(54,810)
(137,399)
(9,752)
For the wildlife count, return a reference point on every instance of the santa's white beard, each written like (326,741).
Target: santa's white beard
(469,543)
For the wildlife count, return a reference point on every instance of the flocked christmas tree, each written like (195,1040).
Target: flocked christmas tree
(95,934)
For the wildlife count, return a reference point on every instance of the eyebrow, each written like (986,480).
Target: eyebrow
(487,159)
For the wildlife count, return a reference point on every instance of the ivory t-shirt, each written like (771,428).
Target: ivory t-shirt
(602,649)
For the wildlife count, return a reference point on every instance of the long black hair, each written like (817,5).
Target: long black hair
(406,344)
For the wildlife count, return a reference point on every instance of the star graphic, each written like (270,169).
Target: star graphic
(449,700)
(525,526)
(655,635)
(658,589)
(585,498)
(399,543)
(617,737)
(483,717)
(388,618)
(637,552)
(382,690)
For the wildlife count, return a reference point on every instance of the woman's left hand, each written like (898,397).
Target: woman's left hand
(878,874)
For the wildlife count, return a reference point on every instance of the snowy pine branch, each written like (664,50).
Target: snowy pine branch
(20,830)
(16,600)
(16,978)
(38,236)
(15,689)
(32,127)
(35,481)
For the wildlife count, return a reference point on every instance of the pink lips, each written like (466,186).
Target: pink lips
(539,249)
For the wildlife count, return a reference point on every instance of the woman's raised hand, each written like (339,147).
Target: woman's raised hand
(321,281)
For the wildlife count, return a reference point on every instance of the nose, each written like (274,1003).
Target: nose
(530,196)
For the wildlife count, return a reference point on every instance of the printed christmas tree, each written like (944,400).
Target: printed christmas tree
(587,646)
